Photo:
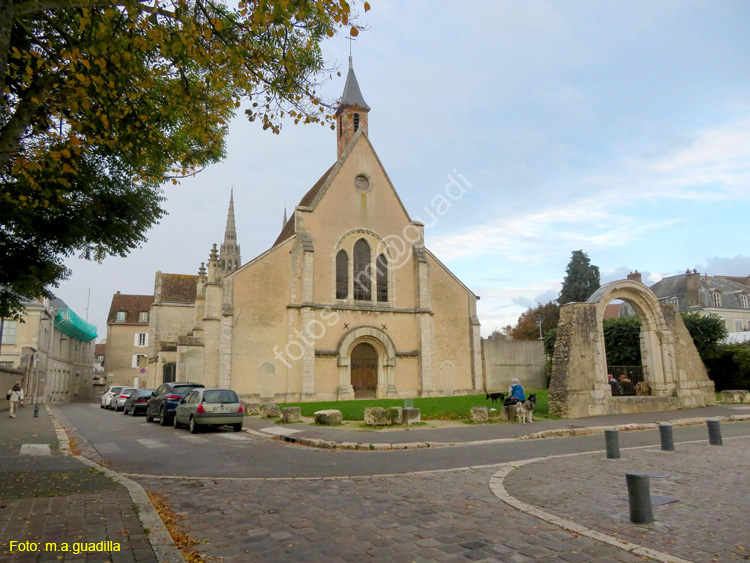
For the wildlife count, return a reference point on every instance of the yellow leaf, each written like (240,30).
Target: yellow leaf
(354,31)
(367,6)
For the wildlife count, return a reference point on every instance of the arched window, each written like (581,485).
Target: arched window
(342,275)
(362,282)
(356,122)
(382,277)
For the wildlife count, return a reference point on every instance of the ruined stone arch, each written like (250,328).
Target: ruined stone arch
(383,344)
(578,385)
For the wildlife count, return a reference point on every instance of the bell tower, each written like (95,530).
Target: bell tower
(351,115)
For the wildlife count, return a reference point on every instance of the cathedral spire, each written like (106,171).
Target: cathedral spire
(285,220)
(352,111)
(230,250)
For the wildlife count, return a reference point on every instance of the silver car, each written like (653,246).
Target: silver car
(118,400)
(209,407)
(107,397)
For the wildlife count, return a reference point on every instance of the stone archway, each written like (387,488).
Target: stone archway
(676,374)
(386,361)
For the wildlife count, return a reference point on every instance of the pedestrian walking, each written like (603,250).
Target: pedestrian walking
(15,396)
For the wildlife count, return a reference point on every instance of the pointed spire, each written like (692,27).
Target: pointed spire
(352,96)
(230,250)
(284,222)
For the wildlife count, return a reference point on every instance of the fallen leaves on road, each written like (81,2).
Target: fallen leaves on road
(171,521)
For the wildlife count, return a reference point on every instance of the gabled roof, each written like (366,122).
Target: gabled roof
(352,96)
(178,288)
(131,304)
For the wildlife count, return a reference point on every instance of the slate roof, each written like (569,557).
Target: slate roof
(132,305)
(306,200)
(676,287)
(352,96)
(178,288)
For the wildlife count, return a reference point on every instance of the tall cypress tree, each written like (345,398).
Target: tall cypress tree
(581,279)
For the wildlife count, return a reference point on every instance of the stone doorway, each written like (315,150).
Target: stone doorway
(364,367)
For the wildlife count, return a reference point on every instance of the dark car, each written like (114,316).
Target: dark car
(165,399)
(137,401)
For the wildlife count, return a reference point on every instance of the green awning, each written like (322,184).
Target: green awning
(74,326)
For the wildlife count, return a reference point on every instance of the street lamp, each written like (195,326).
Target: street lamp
(539,321)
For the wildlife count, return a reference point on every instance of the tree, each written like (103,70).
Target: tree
(707,331)
(105,100)
(527,328)
(622,340)
(581,279)
(502,334)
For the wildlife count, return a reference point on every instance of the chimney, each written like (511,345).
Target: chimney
(635,276)
(692,293)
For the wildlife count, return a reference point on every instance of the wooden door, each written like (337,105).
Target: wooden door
(364,363)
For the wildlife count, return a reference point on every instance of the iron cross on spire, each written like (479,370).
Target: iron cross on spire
(350,38)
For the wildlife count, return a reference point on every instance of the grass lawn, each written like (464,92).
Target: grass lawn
(432,408)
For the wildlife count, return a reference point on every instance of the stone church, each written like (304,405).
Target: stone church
(347,303)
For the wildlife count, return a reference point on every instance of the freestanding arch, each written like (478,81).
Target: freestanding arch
(674,370)
(378,339)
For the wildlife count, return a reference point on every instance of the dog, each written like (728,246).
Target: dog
(495,397)
(524,409)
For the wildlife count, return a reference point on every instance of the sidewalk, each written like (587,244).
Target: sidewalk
(471,434)
(46,496)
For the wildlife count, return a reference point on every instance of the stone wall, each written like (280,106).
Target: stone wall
(502,360)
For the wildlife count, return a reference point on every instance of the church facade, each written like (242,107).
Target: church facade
(347,303)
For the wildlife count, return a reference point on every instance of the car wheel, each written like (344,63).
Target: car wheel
(124,411)
(132,411)
(193,426)
(101,405)
(175,423)
(237,427)
(149,418)
(163,416)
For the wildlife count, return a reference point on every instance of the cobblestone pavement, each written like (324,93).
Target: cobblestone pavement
(58,499)
(710,521)
(441,516)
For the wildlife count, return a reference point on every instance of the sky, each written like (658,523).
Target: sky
(618,128)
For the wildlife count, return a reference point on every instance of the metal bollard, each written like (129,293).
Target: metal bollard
(639,496)
(714,432)
(36,410)
(612,438)
(665,433)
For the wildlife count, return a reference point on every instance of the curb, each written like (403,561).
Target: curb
(498,489)
(161,541)
(555,433)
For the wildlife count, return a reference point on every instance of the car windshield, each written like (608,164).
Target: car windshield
(181,391)
(220,396)
(145,392)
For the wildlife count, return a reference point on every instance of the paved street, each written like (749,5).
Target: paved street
(248,498)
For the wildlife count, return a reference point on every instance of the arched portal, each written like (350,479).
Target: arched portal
(675,372)
(364,371)
(361,350)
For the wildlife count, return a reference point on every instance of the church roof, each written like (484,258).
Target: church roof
(352,96)
(178,288)
(306,200)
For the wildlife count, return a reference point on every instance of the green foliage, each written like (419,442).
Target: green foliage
(581,279)
(707,331)
(106,100)
(729,366)
(432,408)
(622,341)
(527,328)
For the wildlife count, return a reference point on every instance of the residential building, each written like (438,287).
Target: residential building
(127,343)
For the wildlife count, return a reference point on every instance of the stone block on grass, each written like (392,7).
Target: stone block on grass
(377,416)
(291,414)
(396,415)
(330,417)
(250,408)
(479,414)
(412,415)
(735,396)
(270,411)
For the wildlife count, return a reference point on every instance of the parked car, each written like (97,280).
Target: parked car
(118,399)
(209,407)
(107,397)
(165,399)
(137,401)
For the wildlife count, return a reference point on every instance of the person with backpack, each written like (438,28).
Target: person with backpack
(15,396)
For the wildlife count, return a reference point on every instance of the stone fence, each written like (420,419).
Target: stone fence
(503,360)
